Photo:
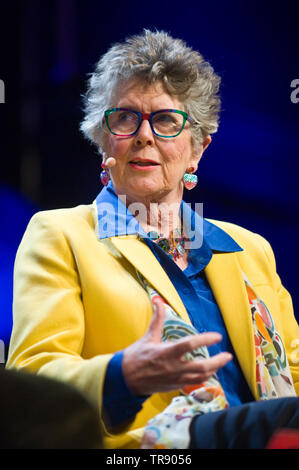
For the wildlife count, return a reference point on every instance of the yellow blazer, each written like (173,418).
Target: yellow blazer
(77,301)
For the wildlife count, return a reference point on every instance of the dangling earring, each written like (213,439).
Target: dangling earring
(105,177)
(190,180)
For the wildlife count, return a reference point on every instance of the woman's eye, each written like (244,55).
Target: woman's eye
(124,117)
(164,118)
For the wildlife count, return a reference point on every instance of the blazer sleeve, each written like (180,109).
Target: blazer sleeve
(48,314)
(287,320)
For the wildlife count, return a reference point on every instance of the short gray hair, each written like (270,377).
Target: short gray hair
(150,57)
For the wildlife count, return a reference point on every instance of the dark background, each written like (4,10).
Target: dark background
(249,173)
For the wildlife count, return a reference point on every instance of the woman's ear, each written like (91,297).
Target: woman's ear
(197,154)
(206,143)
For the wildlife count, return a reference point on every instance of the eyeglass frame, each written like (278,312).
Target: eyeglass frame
(147,117)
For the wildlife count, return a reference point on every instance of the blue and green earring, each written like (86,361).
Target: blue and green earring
(190,180)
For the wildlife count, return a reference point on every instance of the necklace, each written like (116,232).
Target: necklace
(173,246)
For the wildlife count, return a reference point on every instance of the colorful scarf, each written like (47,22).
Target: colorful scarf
(170,428)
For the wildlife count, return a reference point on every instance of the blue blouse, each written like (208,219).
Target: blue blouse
(193,288)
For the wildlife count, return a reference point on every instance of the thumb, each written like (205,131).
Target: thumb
(157,322)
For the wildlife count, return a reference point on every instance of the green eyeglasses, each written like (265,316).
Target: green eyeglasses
(164,123)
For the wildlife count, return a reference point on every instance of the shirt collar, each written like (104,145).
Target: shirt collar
(115,219)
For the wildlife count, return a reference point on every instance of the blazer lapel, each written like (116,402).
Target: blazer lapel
(140,256)
(226,280)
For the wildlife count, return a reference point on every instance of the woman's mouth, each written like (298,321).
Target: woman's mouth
(143,164)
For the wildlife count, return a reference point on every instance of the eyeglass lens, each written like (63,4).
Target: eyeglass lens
(165,123)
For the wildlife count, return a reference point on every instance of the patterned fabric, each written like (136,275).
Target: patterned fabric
(170,429)
(273,374)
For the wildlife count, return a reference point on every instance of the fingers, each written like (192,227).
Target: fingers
(190,343)
(208,366)
(150,365)
(155,328)
(199,370)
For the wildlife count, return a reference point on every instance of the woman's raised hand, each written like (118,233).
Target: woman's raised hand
(152,366)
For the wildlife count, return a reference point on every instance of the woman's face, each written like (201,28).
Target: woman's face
(161,181)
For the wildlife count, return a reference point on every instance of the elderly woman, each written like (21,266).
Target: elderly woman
(176,327)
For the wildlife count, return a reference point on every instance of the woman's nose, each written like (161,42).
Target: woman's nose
(145,135)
